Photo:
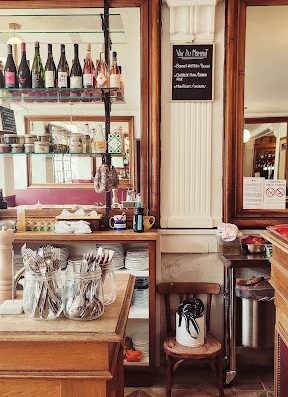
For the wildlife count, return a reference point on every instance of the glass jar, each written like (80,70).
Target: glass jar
(43,295)
(98,140)
(83,294)
(109,283)
(76,143)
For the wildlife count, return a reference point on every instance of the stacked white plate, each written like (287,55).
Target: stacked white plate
(137,259)
(141,342)
(141,298)
(119,257)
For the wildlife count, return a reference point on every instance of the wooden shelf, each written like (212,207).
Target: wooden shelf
(110,235)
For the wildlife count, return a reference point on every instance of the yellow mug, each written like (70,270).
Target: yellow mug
(148,222)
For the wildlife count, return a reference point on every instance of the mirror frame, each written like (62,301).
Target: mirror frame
(123,183)
(150,54)
(234,121)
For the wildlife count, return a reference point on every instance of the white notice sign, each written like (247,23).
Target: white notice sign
(253,193)
(275,194)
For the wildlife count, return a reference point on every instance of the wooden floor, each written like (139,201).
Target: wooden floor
(192,382)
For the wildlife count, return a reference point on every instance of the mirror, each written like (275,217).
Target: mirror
(71,169)
(256,113)
(265,149)
(61,178)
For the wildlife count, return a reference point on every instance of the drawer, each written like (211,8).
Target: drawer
(28,387)
(53,356)
(279,277)
(280,256)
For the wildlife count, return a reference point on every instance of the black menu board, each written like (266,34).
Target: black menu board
(192,72)
(7,120)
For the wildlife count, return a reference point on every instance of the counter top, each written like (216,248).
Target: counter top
(109,235)
(110,327)
(244,260)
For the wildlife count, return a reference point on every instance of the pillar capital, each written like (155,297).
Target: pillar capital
(192,20)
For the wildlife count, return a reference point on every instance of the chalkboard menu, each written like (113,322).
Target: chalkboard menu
(192,68)
(7,120)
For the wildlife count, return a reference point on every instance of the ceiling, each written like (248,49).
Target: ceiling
(266,69)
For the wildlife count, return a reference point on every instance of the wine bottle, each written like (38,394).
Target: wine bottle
(102,71)
(2,80)
(88,70)
(114,72)
(37,71)
(50,70)
(10,71)
(122,88)
(63,70)
(24,74)
(76,70)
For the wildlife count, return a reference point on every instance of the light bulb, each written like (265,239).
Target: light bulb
(14,40)
(246,135)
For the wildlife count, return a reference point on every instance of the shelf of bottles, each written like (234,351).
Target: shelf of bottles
(61,84)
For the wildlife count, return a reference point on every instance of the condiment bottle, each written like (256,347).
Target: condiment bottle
(138,218)
(21,222)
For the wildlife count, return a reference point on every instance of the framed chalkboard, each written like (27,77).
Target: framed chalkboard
(192,72)
(7,120)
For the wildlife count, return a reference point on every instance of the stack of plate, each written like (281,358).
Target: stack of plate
(137,259)
(118,258)
(141,298)
(141,342)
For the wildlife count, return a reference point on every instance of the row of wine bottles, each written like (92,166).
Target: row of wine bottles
(61,77)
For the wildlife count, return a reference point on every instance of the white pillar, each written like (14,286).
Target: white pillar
(191,132)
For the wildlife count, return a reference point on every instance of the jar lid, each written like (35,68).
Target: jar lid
(43,135)
(28,144)
(42,143)
(16,144)
(9,135)
(4,145)
(30,135)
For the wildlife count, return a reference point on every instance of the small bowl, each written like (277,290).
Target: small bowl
(253,248)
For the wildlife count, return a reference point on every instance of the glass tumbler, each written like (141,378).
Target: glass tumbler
(83,294)
(43,295)
(109,283)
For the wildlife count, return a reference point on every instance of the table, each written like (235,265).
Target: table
(63,357)
(231,264)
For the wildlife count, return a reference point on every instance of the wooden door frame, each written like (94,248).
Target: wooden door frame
(234,120)
(150,56)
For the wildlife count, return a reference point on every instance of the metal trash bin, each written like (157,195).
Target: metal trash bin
(251,296)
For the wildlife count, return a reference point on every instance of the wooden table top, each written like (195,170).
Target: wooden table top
(110,327)
(109,235)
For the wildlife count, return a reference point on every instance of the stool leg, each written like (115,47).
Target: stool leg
(168,375)
(219,376)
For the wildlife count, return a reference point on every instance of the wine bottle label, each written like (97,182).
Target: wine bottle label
(62,79)
(115,80)
(49,79)
(36,80)
(87,80)
(101,79)
(76,82)
(22,82)
(10,79)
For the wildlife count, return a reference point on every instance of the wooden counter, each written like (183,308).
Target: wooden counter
(64,357)
(110,235)
(279,280)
